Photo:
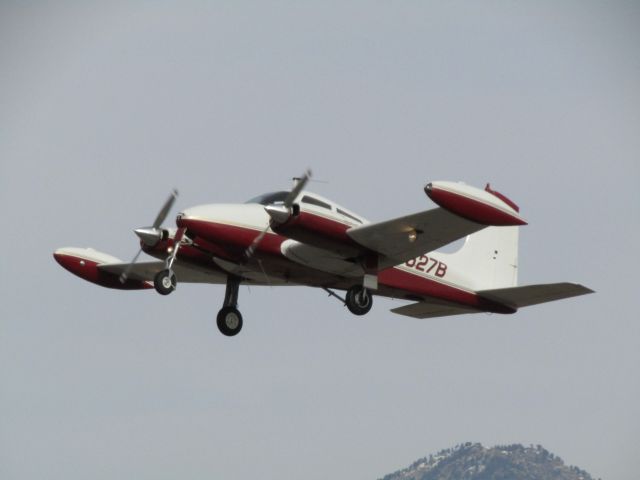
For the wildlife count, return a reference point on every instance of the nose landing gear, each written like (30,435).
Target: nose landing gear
(229,321)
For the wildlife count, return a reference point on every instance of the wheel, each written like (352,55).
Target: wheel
(359,300)
(229,321)
(165,282)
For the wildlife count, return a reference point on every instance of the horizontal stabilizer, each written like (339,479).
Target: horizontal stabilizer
(432,310)
(534,294)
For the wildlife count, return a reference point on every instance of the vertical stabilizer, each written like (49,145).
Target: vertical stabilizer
(488,259)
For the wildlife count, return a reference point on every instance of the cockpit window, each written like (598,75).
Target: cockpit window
(269,198)
(315,201)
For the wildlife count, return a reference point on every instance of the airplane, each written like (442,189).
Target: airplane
(296,237)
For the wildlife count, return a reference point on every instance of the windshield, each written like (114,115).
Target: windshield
(269,198)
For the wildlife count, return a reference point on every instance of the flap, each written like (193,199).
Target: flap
(434,229)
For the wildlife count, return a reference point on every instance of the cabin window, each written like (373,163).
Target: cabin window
(348,215)
(316,202)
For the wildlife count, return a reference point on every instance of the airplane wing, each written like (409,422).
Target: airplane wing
(146,271)
(534,294)
(432,310)
(434,229)
(188,273)
(104,269)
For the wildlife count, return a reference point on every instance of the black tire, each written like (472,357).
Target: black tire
(165,282)
(359,300)
(229,321)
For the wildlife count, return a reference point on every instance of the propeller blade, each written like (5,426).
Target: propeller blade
(279,213)
(162,214)
(151,235)
(248,253)
(124,275)
(295,191)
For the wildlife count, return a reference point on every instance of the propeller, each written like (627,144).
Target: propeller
(301,182)
(280,212)
(150,236)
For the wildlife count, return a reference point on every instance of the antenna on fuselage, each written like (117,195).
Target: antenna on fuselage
(309,179)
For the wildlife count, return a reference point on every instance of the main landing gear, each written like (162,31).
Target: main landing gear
(359,300)
(165,280)
(229,317)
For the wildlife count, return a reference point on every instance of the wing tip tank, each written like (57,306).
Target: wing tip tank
(84,262)
(487,207)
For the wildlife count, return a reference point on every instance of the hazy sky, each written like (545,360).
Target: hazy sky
(105,107)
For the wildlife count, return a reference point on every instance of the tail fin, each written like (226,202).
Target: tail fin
(488,259)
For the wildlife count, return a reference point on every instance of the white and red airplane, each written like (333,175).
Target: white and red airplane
(299,238)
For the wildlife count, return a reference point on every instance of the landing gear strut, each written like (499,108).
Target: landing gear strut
(359,300)
(165,280)
(229,317)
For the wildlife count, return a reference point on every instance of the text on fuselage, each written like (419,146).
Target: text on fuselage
(428,265)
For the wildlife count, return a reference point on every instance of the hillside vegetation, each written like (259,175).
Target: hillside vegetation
(472,461)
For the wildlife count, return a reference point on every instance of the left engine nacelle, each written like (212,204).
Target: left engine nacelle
(85,262)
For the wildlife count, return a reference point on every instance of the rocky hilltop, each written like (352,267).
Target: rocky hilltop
(472,461)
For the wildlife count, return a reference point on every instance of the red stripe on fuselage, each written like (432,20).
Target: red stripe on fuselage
(426,287)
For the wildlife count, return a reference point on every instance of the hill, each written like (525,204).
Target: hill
(472,461)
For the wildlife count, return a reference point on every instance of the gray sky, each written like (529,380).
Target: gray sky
(103,109)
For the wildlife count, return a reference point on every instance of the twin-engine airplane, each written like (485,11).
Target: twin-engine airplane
(299,238)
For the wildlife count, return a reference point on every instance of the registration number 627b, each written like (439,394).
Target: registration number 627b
(428,265)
